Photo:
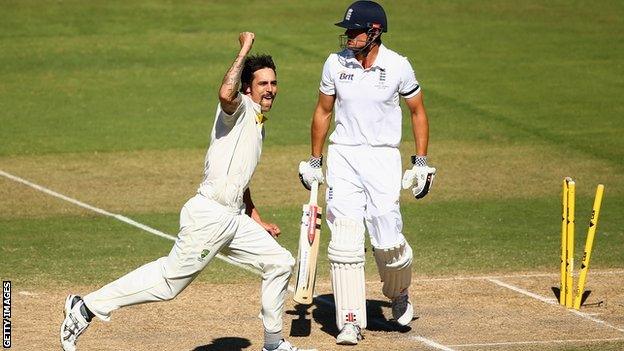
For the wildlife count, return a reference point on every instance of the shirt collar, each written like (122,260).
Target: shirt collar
(380,60)
(260,117)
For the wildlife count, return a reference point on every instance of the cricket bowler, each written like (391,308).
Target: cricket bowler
(220,216)
(362,85)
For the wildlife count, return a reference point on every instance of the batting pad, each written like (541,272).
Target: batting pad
(346,257)
(395,268)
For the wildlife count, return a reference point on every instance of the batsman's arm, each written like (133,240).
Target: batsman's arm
(420,123)
(252,211)
(228,93)
(320,122)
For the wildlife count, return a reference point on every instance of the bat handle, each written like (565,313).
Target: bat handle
(314,193)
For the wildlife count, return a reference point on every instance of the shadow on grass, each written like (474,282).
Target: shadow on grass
(300,326)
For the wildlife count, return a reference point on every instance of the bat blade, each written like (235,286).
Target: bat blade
(309,240)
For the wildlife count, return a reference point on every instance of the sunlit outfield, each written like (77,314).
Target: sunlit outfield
(111,102)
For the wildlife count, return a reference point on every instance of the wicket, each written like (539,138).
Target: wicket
(567,295)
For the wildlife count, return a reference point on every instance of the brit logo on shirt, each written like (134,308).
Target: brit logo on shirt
(344,77)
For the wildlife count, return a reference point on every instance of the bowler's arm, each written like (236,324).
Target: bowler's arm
(228,93)
(252,211)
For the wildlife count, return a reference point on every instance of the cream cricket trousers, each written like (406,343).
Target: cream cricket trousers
(206,228)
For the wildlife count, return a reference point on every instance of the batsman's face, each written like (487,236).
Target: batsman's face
(356,38)
(264,88)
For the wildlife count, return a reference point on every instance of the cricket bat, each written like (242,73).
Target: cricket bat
(309,239)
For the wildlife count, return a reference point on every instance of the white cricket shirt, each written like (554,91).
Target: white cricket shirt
(367,110)
(234,153)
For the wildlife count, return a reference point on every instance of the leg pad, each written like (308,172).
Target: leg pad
(395,269)
(346,257)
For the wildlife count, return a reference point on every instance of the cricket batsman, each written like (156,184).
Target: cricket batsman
(220,216)
(361,85)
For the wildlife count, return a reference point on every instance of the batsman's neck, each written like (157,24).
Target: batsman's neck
(367,60)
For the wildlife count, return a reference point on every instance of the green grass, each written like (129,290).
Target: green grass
(107,76)
(90,250)
(83,76)
(73,250)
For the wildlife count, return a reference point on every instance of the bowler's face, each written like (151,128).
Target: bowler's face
(264,88)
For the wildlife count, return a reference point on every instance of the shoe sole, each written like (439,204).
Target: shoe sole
(348,341)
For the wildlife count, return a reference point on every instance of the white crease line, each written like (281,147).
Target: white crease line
(594,314)
(537,342)
(554,302)
(116,216)
(594,319)
(522,291)
(431,343)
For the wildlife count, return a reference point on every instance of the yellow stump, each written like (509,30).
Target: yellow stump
(570,244)
(564,230)
(593,223)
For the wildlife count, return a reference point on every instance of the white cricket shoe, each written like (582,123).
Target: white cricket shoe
(402,310)
(286,346)
(349,335)
(74,324)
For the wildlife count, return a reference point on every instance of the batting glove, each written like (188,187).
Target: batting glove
(420,177)
(311,170)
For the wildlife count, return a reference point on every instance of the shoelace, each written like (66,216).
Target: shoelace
(71,329)
(74,328)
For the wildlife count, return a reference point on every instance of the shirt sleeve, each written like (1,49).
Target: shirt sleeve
(230,120)
(408,87)
(327,86)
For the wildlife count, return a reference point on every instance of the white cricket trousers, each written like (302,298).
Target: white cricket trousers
(364,184)
(206,228)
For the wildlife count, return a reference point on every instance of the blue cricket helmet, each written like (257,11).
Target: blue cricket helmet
(364,15)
